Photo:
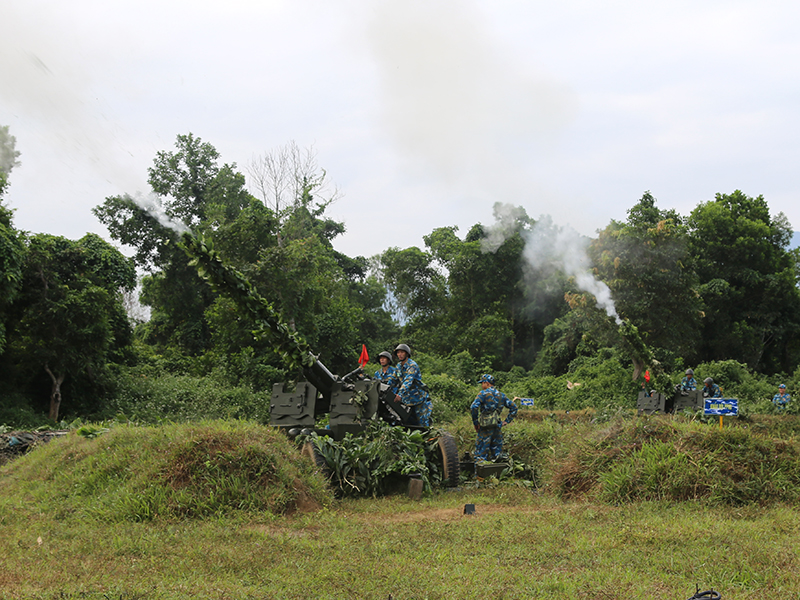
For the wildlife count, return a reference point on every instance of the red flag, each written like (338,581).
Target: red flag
(364,358)
(647,376)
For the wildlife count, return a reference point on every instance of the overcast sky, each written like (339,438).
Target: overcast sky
(423,113)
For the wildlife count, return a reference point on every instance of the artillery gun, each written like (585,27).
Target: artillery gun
(350,401)
(653,402)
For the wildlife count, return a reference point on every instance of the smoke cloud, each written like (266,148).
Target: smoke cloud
(45,86)
(458,107)
(506,218)
(549,247)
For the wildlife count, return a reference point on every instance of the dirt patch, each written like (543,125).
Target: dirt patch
(303,503)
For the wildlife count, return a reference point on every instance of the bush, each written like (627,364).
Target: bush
(16,413)
(664,459)
(453,392)
(723,372)
(147,398)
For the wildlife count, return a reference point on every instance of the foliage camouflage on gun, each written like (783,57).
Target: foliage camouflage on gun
(640,353)
(290,345)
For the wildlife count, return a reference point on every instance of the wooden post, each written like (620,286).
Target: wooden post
(415,488)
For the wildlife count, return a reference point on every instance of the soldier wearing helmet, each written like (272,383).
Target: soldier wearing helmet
(689,383)
(387,373)
(782,398)
(486,412)
(711,389)
(411,391)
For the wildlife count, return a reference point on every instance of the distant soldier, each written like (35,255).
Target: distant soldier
(689,383)
(711,389)
(486,412)
(411,391)
(781,399)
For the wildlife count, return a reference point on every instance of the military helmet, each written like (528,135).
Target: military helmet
(689,372)
(388,355)
(708,380)
(404,348)
(486,378)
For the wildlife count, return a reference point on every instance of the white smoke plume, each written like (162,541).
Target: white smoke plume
(151,204)
(549,247)
(506,218)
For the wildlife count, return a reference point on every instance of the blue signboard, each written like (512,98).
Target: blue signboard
(526,401)
(721,406)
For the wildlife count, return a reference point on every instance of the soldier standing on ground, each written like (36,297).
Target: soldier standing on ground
(486,412)
(411,391)
(782,398)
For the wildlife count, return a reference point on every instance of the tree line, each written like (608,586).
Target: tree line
(720,283)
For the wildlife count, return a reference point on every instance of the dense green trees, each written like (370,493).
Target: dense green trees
(10,240)
(479,295)
(287,255)
(68,318)
(645,262)
(747,281)
(718,284)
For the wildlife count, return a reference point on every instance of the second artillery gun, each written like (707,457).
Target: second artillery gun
(350,401)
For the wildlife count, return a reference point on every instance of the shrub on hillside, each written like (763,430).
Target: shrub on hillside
(16,412)
(660,459)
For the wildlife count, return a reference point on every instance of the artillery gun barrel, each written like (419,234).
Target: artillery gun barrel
(320,377)
(290,345)
(226,280)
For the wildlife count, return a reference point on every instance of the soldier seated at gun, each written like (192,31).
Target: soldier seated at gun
(387,373)
(711,389)
(411,391)
(688,383)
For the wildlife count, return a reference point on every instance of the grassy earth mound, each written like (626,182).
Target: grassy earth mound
(665,458)
(175,471)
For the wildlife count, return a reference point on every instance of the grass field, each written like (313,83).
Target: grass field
(88,519)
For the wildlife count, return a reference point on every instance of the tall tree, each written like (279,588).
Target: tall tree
(747,282)
(68,317)
(645,263)
(286,253)
(475,294)
(191,190)
(8,156)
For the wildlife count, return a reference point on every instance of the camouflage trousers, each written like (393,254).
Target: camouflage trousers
(422,407)
(489,443)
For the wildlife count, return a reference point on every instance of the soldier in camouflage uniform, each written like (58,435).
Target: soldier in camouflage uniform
(711,389)
(486,412)
(411,391)
(689,383)
(387,373)
(781,399)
